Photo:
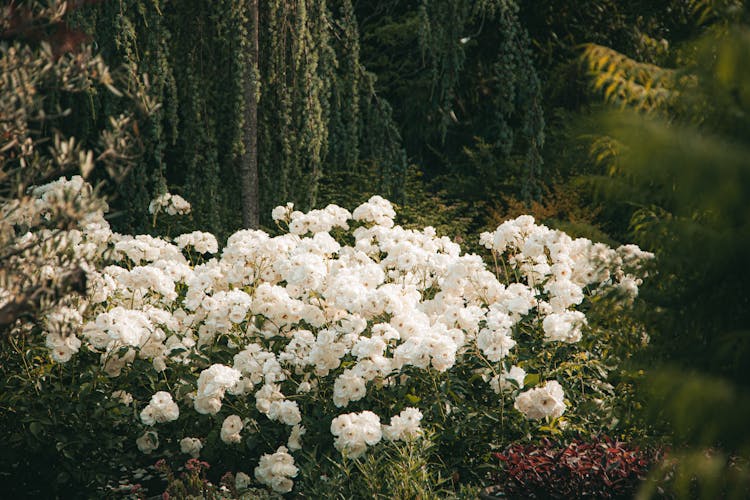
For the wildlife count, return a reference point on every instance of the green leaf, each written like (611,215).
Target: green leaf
(531,379)
(251,443)
(85,389)
(36,429)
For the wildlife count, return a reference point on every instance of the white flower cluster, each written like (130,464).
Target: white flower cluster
(202,242)
(148,442)
(242,481)
(508,381)
(61,336)
(276,470)
(119,327)
(354,432)
(191,446)
(123,397)
(295,437)
(542,402)
(300,312)
(39,257)
(160,409)
(404,426)
(561,266)
(231,428)
(173,204)
(213,382)
(564,327)
(49,195)
(377,210)
(315,221)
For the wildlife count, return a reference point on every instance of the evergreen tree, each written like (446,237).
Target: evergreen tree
(467,94)
(310,89)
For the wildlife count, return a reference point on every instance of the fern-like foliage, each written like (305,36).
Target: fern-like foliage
(706,11)
(685,169)
(625,82)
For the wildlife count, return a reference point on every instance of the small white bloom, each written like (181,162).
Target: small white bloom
(159,364)
(495,345)
(148,442)
(503,382)
(242,481)
(125,397)
(213,382)
(231,428)
(295,437)
(191,446)
(541,402)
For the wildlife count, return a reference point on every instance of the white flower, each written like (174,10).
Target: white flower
(202,242)
(515,374)
(212,384)
(377,210)
(114,364)
(158,203)
(295,437)
(242,481)
(231,428)
(191,446)
(541,402)
(285,411)
(508,381)
(282,212)
(62,348)
(61,325)
(161,409)
(628,286)
(159,364)
(404,426)
(125,397)
(348,387)
(179,205)
(123,326)
(355,431)
(563,294)
(173,204)
(266,396)
(495,345)
(148,442)
(276,470)
(564,327)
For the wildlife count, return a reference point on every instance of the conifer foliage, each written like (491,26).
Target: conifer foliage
(316,107)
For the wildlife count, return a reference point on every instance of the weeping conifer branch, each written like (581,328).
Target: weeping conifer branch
(507,82)
(317,112)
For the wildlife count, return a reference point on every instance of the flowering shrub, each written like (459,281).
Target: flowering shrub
(172,204)
(194,483)
(280,347)
(596,468)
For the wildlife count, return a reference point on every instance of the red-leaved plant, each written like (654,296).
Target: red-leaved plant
(600,468)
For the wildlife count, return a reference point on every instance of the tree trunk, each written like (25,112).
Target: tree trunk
(249,160)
